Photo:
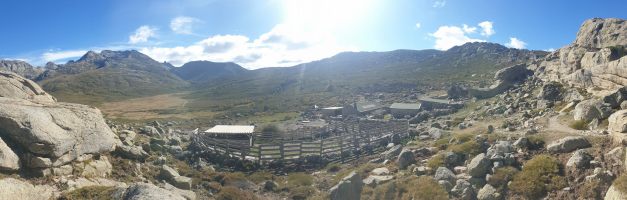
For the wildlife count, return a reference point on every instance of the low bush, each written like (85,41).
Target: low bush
(621,183)
(261,176)
(540,175)
(299,179)
(535,142)
(411,188)
(233,193)
(579,125)
(436,161)
(502,176)
(469,148)
(89,192)
(591,190)
(333,167)
(302,192)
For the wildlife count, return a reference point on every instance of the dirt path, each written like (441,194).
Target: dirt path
(555,125)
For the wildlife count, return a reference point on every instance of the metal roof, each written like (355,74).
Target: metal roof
(332,108)
(231,129)
(367,106)
(407,106)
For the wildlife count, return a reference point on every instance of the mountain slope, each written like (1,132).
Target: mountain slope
(21,68)
(203,71)
(110,75)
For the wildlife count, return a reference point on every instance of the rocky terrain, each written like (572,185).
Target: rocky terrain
(542,127)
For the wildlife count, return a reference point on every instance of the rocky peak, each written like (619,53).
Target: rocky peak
(20,67)
(599,33)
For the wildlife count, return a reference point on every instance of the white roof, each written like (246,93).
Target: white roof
(234,129)
(332,108)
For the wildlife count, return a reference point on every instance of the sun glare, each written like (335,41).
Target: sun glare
(325,15)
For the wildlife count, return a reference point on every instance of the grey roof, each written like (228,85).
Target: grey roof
(367,106)
(427,99)
(406,106)
(231,129)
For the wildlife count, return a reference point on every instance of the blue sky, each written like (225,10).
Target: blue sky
(268,33)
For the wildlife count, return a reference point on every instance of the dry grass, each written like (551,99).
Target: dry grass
(163,106)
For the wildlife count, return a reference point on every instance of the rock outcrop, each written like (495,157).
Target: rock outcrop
(11,188)
(594,61)
(49,133)
(21,68)
(618,121)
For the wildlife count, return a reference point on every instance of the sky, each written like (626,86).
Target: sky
(277,33)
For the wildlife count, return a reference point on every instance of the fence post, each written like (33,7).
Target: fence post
(281,150)
(259,155)
(300,150)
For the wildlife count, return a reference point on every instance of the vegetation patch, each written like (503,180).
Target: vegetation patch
(540,175)
(410,188)
(300,179)
(502,176)
(436,161)
(469,148)
(234,193)
(579,125)
(90,192)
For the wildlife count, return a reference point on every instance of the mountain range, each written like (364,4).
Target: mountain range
(118,75)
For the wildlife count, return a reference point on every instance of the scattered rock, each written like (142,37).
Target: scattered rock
(392,152)
(551,91)
(405,159)
(374,180)
(380,171)
(270,186)
(568,144)
(172,176)
(479,166)
(443,173)
(488,193)
(579,160)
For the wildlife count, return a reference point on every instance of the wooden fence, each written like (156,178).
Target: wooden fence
(332,143)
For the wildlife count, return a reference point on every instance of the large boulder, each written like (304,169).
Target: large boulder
(618,121)
(11,188)
(392,152)
(479,166)
(349,188)
(599,33)
(173,177)
(568,144)
(588,110)
(8,159)
(145,191)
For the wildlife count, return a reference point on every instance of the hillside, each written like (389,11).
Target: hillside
(203,71)
(108,76)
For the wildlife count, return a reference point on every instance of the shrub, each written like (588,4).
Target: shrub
(89,192)
(300,179)
(261,176)
(535,141)
(539,175)
(591,190)
(333,167)
(436,161)
(442,143)
(621,183)
(469,148)
(302,192)
(233,193)
(502,176)
(579,125)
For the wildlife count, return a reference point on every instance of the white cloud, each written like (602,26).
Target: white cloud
(142,34)
(516,43)
(418,25)
(486,28)
(282,46)
(550,50)
(183,24)
(439,3)
(62,55)
(450,36)
(469,29)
